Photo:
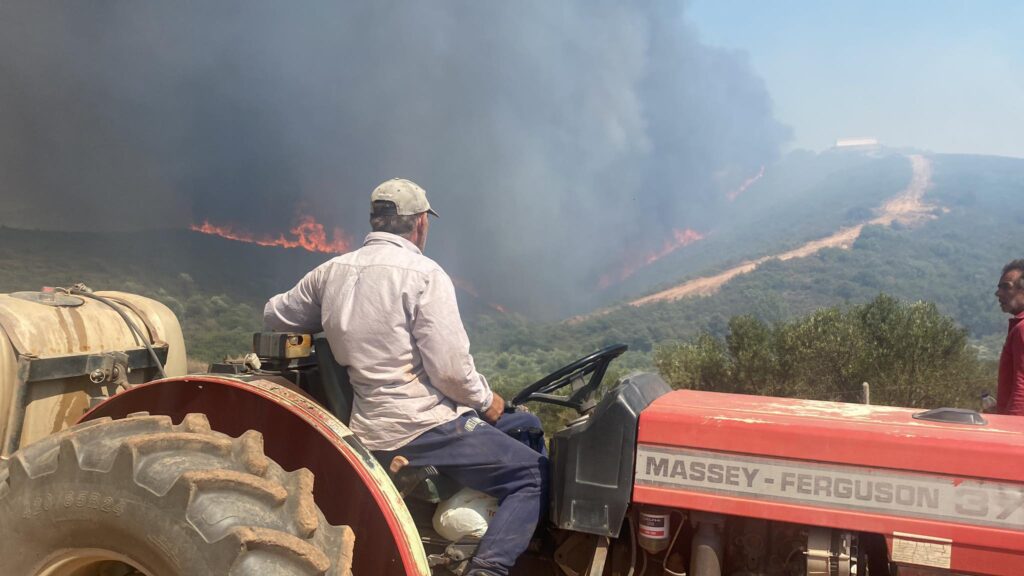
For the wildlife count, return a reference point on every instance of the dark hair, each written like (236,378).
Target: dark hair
(385,218)
(1016,265)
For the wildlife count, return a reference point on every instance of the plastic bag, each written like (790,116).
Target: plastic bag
(464,515)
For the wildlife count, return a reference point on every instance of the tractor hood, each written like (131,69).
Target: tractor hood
(944,495)
(834,432)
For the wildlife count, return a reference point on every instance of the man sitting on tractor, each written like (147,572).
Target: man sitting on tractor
(390,316)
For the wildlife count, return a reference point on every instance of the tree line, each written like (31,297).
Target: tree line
(909,353)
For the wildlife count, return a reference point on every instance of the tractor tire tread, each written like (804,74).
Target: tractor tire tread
(230,492)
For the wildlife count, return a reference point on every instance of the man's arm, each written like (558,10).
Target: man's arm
(1016,404)
(444,346)
(297,310)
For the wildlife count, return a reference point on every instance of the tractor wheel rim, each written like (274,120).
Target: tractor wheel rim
(90,562)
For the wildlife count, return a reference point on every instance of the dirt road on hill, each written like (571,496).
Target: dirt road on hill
(907,208)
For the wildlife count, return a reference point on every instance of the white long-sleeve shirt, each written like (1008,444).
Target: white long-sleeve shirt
(390,315)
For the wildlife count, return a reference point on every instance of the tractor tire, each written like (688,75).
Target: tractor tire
(141,496)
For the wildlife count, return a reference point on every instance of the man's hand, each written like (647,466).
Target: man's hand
(496,409)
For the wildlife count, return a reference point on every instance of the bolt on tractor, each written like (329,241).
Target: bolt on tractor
(115,462)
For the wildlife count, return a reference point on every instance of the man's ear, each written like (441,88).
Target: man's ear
(419,230)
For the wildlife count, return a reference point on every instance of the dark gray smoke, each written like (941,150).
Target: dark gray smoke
(555,138)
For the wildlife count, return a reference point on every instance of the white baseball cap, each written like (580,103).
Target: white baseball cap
(409,199)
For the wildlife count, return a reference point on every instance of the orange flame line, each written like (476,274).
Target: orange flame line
(308,234)
(746,184)
(468,288)
(679,239)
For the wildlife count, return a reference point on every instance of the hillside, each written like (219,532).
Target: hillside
(952,260)
(218,286)
(802,198)
(906,208)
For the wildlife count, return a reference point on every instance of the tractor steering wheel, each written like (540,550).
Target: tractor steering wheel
(543,390)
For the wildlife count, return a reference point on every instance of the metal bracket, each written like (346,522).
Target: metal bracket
(455,557)
(16,414)
(87,364)
(600,557)
(582,554)
(107,367)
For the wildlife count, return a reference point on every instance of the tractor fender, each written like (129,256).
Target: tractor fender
(350,488)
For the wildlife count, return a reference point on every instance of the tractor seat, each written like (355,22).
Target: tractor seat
(419,482)
(416,484)
(335,389)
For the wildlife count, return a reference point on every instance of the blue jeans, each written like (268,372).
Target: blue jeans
(486,458)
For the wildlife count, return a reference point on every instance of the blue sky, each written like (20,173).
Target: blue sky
(941,75)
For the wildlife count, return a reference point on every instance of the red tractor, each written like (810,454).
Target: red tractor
(116,463)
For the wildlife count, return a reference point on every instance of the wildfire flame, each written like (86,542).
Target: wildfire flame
(679,239)
(746,184)
(308,234)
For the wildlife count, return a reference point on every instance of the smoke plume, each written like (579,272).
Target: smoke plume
(555,138)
